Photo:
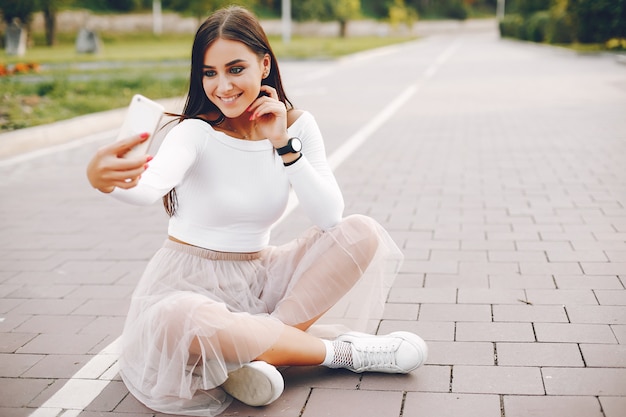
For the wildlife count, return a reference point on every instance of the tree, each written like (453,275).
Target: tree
(325,10)
(400,13)
(202,8)
(344,11)
(18,9)
(50,9)
(303,10)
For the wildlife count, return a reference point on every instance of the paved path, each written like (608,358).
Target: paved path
(497,166)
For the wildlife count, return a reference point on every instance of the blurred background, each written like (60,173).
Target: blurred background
(65,58)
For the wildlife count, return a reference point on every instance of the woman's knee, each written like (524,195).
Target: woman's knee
(362,232)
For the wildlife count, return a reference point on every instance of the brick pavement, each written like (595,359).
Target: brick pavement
(501,178)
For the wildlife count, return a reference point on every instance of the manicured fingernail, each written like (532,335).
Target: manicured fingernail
(145,166)
(149,158)
(144,135)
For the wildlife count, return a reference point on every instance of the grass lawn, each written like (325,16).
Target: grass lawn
(64,84)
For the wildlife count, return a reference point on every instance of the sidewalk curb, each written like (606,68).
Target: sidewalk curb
(37,137)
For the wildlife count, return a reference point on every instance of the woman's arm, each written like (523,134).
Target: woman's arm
(149,183)
(312,178)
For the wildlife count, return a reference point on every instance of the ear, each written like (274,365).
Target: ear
(266,62)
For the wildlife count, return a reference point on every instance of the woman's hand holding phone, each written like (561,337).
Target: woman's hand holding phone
(109,168)
(120,164)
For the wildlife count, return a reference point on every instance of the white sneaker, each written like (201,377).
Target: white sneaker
(256,384)
(395,353)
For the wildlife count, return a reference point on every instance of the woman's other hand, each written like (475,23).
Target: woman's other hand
(109,169)
(270,117)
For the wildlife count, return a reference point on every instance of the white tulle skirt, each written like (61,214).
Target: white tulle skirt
(234,306)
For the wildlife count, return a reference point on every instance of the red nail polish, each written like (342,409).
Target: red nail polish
(149,158)
(144,135)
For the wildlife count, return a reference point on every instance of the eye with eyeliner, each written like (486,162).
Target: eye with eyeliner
(233,70)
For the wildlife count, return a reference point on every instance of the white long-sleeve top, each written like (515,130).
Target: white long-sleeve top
(231,191)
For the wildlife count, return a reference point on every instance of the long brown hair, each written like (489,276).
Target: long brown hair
(231,23)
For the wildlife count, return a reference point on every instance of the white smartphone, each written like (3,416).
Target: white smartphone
(143,115)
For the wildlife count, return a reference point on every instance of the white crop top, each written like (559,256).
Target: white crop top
(230,191)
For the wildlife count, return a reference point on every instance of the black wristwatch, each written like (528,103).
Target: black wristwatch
(294,145)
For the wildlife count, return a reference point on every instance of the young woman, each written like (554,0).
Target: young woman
(218,308)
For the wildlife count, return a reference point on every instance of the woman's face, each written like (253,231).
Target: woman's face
(232,76)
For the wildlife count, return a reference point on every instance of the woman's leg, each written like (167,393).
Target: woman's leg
(295,348)
(340,257)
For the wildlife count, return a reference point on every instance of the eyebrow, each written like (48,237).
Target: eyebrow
(231,63)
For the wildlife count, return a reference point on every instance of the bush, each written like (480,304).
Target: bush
(456,10)
(560,29)
(536,26)
(597,21)
(527,7)
(512,26)
(616,44)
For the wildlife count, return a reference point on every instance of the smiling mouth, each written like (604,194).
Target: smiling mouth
(230,99)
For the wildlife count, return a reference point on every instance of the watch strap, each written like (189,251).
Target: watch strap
(292,162)
(287,148)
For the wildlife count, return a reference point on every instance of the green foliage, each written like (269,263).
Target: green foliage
(18,9)
(457,10)
(344,10)
(326,10)
(528,7)
(567,21)
(202,8)
(597,21)
(110,5)
(512,26)
(616,44)
(123,5)
(536,26)
(560,29)
(63,96)
(400,13)
(311,10)
(447,9)
(375,8)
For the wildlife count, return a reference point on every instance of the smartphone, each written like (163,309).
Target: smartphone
(143,115)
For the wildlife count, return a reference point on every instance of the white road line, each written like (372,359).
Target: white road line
(91,379)
(356,140)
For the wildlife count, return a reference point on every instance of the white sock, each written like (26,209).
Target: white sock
(338,354)
(330,353)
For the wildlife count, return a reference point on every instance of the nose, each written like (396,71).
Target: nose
(224,84)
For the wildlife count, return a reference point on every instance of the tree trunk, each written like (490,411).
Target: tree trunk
(343,25)
(50,20)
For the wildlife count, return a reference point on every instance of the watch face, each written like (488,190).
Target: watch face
(296,144)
